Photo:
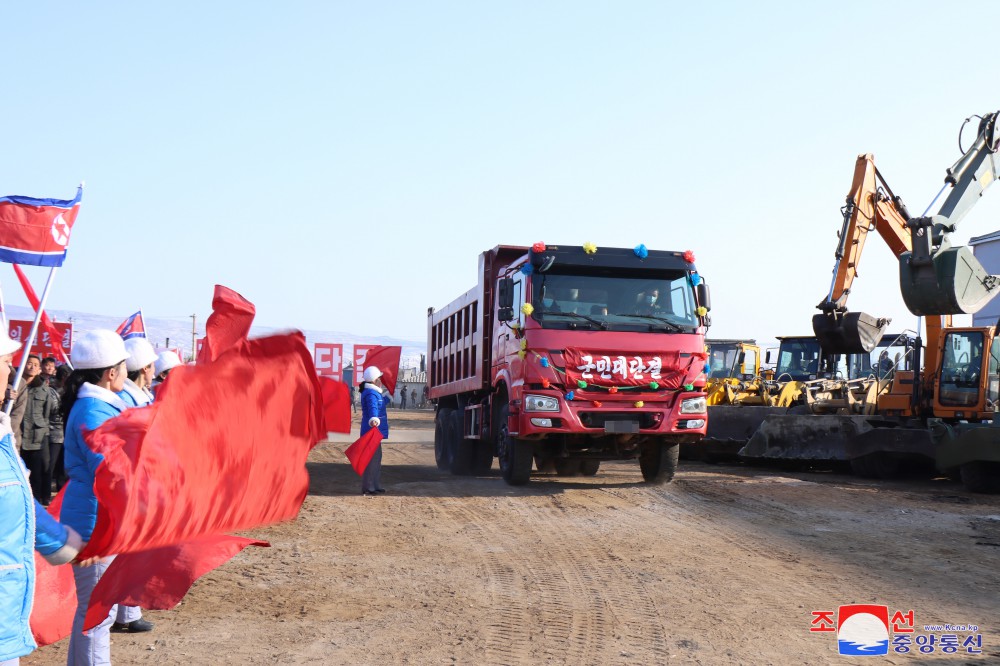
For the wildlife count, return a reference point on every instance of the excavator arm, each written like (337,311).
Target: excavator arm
(871,206)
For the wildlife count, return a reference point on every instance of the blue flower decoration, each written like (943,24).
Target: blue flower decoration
(569,396)
(527,269)
(695,279)
(708,368)
(641,251)
(544,362)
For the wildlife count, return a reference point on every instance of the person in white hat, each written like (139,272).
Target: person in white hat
(90,398)
(373,415)
(26,524)
(140,366)
(165,362)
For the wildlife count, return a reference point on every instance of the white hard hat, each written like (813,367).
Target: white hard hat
(98,349)
(8,346)
(140,352)
(371,374)
(166,361)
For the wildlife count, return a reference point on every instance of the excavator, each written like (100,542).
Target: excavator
(936,415)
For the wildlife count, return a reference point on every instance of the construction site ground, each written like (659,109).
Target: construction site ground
(725,565)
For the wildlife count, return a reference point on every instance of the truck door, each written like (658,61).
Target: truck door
(507,344)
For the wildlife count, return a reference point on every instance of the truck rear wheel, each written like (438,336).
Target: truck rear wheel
(515,454)
(590,467)
(442,450)
(981,476)
(567,466)
(464,455)
(658,461)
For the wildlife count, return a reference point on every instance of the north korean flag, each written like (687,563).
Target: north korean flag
(35,232)
(133,327)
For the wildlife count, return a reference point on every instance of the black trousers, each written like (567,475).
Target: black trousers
(37,463)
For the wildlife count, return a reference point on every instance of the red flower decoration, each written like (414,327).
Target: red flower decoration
(545,383)
(597,403)
(538,247)
(613,389)
(689,256)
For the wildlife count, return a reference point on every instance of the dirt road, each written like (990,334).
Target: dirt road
(723,566)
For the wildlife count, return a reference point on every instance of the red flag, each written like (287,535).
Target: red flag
(158,579)
(228,325)
(360,452)
(55,594)
(336,405)
(385,359)
(45,322)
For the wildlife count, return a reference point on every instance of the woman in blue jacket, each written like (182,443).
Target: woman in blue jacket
(27,526)
(90,397)
(373,415)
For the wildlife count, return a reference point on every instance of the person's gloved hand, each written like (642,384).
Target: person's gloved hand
(374,422)
(74,544)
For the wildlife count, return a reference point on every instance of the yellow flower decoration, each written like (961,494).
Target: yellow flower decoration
(701,311)
(639,403)
(524,344)
(527,309)
(521,354)
(589,248)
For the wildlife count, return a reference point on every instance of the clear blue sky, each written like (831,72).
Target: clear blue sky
(342,164)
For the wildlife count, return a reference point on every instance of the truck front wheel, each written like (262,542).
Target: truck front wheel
(658,461)
(515,454)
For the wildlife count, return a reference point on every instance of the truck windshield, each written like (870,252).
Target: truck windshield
(663,302)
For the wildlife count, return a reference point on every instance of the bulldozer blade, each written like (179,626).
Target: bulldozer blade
(729,429)
(952,283)
(807,437)
(848,333)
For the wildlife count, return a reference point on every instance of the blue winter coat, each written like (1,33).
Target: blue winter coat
(133,396)
(26,525)
(373,404)
(93,407)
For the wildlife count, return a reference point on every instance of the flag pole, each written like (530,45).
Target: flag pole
(31,336)
(3,313)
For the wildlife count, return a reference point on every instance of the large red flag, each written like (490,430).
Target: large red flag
(228,325)
(385,359)
(55,594)
(45,321)
(336,405)
(360,452)
(158,579)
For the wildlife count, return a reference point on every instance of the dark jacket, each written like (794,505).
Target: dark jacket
(40,405)
(17,414)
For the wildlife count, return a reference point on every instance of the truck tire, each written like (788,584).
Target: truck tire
(515,454)
(658,461)
(981,476)
(590,467)
(568,466)
(484,457)
(464,451)
(442,451)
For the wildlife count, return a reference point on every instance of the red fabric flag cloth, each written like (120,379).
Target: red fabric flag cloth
(336,405)
(228,325)
(360,452)
(55,594)
(385,359)
(223,449)
(45,322)
(158,579)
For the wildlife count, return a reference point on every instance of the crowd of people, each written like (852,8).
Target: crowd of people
(43,449)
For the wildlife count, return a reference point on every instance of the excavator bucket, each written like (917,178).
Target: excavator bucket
(805,437)
(848,333)
(954,282)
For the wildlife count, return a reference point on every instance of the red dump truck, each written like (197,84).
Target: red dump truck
(564,356)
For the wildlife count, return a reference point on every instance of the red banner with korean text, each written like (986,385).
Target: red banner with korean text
(44,345)
(606,368)
(329,360)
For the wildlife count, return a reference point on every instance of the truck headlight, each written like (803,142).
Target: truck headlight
(693,406)
(544,403)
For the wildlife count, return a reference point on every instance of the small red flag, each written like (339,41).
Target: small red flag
(228,325)
(360,452)
(55,594)
(385,359)
(45,321)
(336,405)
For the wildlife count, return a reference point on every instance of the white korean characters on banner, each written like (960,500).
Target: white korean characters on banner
(329,360)
(360,356)
(624,369)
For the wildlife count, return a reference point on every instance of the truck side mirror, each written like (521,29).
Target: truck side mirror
(703,294)
(505,293)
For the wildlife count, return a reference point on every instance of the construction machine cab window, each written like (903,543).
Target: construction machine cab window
(961,369)
(798,360)
(637,302)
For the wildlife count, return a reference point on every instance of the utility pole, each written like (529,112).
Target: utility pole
(194,337)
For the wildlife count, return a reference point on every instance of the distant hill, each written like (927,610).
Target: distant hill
(178,332)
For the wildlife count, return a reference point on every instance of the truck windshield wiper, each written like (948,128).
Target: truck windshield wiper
(677,328)
(596,322)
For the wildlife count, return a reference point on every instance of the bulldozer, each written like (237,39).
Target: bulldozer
(938,415)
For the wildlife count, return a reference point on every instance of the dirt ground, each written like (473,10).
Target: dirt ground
(723,566)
